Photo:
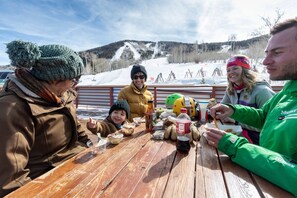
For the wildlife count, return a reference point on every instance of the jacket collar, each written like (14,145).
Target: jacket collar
(290,88)
(37,104)
(136,90)
(24,89)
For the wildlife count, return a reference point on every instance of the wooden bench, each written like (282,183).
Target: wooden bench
(142,167)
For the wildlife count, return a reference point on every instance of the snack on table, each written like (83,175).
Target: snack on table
(167,113)
(128,129)
(169,121)
(138,120)
(159,110)
(159,126)
(158,135)
(115,138)
(235,129)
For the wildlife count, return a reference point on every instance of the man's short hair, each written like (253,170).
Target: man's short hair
(279,27)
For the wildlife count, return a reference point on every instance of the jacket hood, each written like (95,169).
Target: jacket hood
(264,83)
(36,102)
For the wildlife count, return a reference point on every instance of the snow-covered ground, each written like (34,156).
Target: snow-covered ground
(188,73)
(85,112)
(154,67)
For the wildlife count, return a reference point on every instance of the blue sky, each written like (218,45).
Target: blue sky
(85,24)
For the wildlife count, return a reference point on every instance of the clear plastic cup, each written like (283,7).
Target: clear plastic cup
(203,107)
(101,145)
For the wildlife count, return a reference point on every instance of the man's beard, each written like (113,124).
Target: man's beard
(290,73)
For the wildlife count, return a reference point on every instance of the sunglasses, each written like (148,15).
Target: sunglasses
(75,81)
(135,77)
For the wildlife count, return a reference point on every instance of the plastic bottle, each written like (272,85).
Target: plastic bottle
(149,116)
(183,122)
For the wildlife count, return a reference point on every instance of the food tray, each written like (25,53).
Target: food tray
(235,129)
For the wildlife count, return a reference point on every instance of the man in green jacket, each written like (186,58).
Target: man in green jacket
(276,157)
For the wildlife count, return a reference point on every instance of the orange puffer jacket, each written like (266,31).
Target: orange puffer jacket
(137,99)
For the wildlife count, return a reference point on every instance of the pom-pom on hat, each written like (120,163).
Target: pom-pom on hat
(239,60)
(47,62)
(138,68)
(120,105)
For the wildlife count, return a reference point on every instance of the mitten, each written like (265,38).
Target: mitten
(195,132)
(167,132)
(173,135)
(169,127)
(170,132)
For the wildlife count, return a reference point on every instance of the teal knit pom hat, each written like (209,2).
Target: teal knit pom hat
(47,62)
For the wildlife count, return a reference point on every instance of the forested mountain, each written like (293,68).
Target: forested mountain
(124,53)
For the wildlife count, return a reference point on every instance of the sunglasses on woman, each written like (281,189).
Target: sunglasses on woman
(135,77)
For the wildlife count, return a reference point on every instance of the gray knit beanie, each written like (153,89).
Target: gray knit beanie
(47,62)
(138,68)
(120,105)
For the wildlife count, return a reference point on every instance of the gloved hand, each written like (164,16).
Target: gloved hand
(170,131)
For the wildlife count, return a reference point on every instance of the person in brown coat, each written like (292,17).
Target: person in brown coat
(137,93)
(114,122)
(39,126)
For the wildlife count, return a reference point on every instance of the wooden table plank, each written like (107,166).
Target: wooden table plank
(43,182)
(270,190)
(242,183)
(110,168)
(155,179)
(238,180)
(130,176)
(200,189)
(182,177)
(100,166)
(209,178)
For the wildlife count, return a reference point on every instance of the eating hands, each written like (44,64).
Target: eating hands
(221,111)
(213,136)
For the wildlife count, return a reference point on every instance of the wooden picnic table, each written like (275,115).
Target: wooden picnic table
(142,167)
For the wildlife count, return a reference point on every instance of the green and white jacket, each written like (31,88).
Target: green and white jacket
(276,157)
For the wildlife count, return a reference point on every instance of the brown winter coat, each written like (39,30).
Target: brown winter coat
(105,127)
(36,136)
(137,99)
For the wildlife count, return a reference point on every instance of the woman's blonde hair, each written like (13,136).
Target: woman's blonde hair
(249,79)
